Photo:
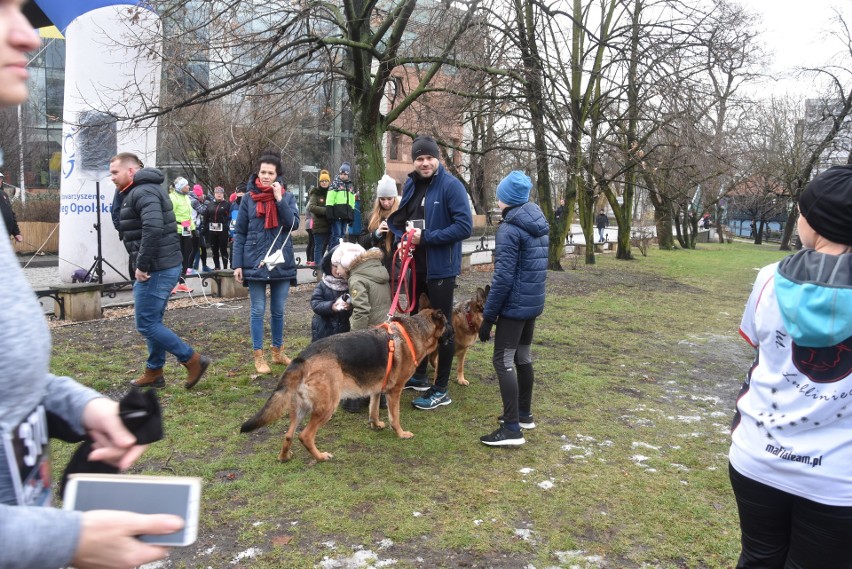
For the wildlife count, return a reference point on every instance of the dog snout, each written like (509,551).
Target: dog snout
(448,334)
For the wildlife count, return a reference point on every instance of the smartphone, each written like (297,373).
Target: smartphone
(178,495)
(417,223)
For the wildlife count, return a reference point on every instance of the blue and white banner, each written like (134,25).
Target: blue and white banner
(106,75)
(63,12)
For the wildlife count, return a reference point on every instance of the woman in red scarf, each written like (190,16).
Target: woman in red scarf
(268,214)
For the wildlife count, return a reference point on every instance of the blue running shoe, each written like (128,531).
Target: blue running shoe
(418,384)
(432,400)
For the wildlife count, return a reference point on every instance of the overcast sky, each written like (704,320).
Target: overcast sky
(795,33)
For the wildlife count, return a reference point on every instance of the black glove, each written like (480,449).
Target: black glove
(485,330)
(140,413)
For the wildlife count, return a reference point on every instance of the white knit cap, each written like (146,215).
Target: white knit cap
(386,188)
(345,253)
(180,183)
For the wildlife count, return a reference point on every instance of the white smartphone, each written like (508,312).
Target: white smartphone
(178,495)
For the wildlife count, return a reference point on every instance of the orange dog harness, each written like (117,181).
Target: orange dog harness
(390,327)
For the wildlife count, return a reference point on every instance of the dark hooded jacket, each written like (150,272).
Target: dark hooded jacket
(317,209)
(520,265)
(147,223)
(326,322)
(252,241)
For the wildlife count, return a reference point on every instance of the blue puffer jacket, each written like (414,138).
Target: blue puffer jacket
(448,222)
(520,265)
(252,240)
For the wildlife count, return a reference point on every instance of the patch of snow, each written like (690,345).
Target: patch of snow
(545,484)
(249,553)
(643,445)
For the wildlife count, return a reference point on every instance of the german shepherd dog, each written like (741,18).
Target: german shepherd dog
(467,318)
(353,364)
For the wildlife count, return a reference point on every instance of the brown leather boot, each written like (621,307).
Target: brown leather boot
(151,378)
(279,357)
(260,363)
(195,368)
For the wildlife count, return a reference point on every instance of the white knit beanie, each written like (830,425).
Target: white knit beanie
(180,183)
(386,188)
(345,253)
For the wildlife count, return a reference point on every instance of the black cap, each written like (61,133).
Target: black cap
(424,146)
(826,204)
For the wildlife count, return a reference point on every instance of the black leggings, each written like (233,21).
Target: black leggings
(440,293)
(783,531)
(513,363)
(218,241)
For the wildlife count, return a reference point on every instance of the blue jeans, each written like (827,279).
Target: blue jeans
(278,292)
(320,241)
(150,298)
(338,232)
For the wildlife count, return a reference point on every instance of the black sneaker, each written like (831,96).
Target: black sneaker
(503,437)
(418,384)
(525,422)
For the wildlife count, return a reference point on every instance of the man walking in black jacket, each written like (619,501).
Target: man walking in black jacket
(148,228)
(8,213)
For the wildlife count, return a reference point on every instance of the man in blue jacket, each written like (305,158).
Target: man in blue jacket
(435,207)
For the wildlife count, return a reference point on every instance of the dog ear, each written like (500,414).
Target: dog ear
(424,301)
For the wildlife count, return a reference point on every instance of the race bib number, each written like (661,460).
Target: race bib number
(186,231)
(28,454)
(215,226)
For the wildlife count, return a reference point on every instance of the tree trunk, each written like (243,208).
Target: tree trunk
(792,217)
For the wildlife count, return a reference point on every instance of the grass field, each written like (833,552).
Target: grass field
(637,366)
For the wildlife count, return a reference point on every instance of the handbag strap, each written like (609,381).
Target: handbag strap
(280,227)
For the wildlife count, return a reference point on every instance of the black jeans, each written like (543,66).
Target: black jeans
(440,293)
(783,531)
(513,363)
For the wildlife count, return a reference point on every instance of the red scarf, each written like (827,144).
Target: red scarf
(266,206)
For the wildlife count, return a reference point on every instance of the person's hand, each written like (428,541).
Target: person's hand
(382,228)
(238,274)
(415,236)
(277,191)
(113,443)
(142,276)
(108,539)
(19,238)
(485,331)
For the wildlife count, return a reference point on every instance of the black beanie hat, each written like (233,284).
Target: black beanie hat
(424,146)
(826,204)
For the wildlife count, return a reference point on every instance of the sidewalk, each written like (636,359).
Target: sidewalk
(42,272)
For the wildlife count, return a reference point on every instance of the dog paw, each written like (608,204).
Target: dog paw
(377,425)
(463,381)
(323,456)
(285,457)
(405,434)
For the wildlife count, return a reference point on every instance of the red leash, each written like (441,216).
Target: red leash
(405,254)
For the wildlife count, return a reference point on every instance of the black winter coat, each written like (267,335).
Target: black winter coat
(147,223)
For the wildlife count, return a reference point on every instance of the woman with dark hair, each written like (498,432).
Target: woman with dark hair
(268,214)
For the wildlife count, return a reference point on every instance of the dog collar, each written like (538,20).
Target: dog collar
(469,317)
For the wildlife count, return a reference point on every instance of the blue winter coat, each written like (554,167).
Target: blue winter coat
(448,222)
(520,265)
(252,241)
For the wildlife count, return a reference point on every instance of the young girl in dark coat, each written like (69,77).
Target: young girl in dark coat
(331,309)
(514,302)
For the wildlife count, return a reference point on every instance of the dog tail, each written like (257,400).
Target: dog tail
(279,401)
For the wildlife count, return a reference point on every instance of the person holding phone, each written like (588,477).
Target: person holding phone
(435,208)
(37,536)
(268,214)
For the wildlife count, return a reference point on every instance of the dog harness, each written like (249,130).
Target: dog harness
(390,327)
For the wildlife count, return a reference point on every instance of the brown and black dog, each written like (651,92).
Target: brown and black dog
(467,318)
(350,365)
